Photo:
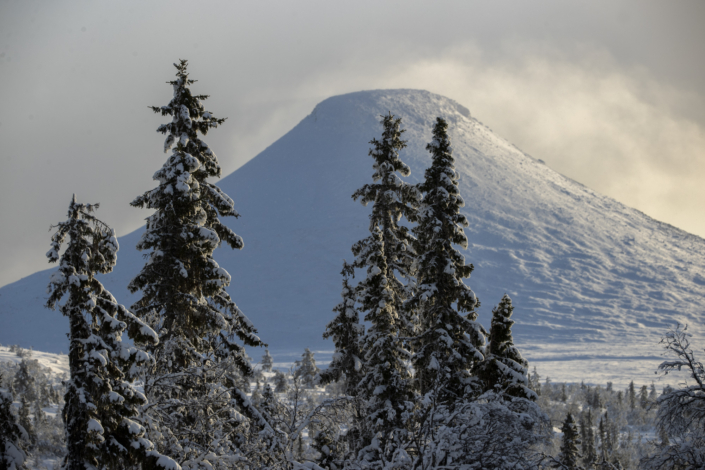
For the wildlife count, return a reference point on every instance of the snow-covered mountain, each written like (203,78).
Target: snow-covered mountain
(594,283)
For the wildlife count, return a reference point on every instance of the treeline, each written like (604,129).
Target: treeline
(420,383)
(623,430)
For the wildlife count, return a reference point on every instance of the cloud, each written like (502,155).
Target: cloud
(612,127)
(74,102)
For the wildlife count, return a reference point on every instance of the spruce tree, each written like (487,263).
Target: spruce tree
(609,442)
(306,369)
(346,331)
(644,397)
(26,422)
(570,456)
(267,361)
(183,289)
(585,429)
(602,434)
(631,394)
(449,338)
(39,415)
(535,382)
(504,369)
(24,383)
(589,452)
(387,256)
(12,453)
(101,402)
(269,405)
(281,384)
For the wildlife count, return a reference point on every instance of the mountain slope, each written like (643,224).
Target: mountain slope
(589,277)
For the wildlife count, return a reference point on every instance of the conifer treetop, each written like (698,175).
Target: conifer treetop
(189,118)
(181,275)
(501,341)
(450,340)
(392,197)
(504,366)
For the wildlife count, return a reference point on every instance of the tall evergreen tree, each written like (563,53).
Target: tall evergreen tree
(589,451)
(535,382)
(387,257)
(12,454)
(570,456)
(609,438)
(101,401)
(281,383)
(26,422)
(602,434)
(183,288)
(39,415)
(504,368)
(267,361)
(269,404)
(631,395)
(346,331)
(653,395)
(449,340)
(24,383)
(644,397)
(306,369)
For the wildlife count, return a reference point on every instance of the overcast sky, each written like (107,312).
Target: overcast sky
(609,93)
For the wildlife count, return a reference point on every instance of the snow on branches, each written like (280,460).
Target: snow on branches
(101,400)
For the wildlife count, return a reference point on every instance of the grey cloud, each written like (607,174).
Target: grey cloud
(74,114)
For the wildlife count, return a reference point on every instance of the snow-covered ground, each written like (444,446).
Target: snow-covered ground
(57,363)
(594,283)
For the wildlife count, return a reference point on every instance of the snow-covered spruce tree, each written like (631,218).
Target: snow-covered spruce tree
(12,436)
(346,331)
(183,292)
(306,369)
(24,383)
(631,395)
(493,425)
(101,402)
(26,422)
(450,340)
(281,384)
(267,361)
(588,441)
(504,369)
(387,257)
(570,456)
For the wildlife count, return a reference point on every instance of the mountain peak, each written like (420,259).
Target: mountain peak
(591,280)
(418,101)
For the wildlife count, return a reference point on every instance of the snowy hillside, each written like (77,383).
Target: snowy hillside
(594,283)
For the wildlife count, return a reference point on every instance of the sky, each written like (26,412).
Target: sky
(608,93)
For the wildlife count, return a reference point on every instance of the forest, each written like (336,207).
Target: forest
(415,382)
